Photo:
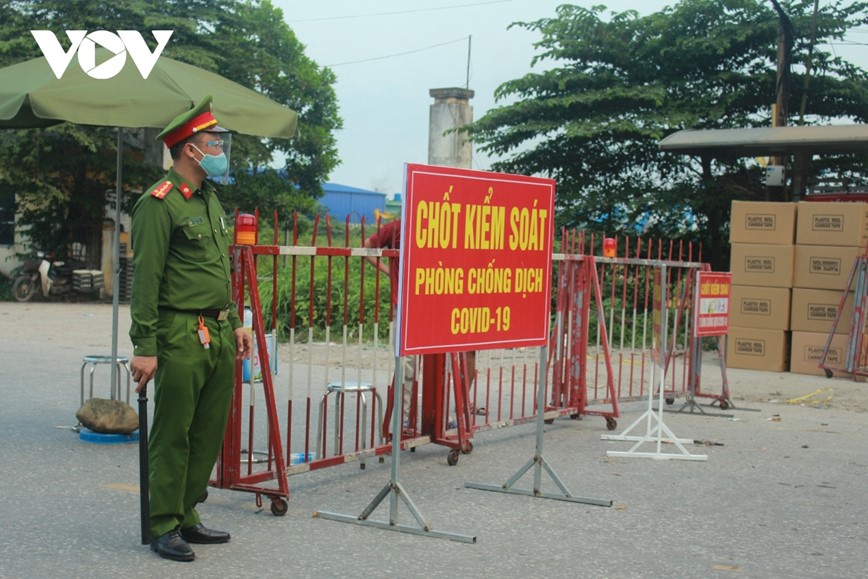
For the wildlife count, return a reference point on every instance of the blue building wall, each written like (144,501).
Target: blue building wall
(342,200)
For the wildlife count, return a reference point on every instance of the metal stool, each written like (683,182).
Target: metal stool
(93,361)
(342,388)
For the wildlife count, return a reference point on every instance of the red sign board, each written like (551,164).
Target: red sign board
(476,257)
(711,308)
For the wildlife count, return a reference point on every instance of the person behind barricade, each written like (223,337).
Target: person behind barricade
(388,236)
(185,331)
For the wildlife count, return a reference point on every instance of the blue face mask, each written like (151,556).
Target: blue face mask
(213,165)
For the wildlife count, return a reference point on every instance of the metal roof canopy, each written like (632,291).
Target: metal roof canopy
(768,141)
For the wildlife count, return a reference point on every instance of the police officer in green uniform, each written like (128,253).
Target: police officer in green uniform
(185,331)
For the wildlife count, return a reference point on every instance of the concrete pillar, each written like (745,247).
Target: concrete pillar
(451,109)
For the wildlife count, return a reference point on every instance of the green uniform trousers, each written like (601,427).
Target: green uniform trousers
(193,392)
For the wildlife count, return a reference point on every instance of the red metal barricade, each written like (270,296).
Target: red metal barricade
(327,406)
(627,282)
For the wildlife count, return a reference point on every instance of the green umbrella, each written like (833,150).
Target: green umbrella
(31,96)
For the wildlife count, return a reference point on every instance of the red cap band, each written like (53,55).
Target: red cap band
(191,127)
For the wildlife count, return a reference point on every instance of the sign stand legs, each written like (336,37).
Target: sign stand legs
(394,489)
(724,400)
(538,461)
(696,371)
(656,430)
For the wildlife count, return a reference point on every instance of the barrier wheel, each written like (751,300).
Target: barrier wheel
(575,416)
(467,447)
(279,507)
(724,404)
(611,423)
(549,420)
(828,372)
(670,401)
(452,457)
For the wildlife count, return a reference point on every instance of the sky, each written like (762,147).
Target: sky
(387,55)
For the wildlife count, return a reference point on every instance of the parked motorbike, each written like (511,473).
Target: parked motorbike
(44,273)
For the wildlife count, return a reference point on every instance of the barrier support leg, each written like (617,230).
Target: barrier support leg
(395,491)
(695,373)
(724,400)
(538,461)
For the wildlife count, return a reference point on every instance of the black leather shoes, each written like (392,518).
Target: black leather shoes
(202,534)
(173,546)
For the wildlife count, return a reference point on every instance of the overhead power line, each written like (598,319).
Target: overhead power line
(397,54)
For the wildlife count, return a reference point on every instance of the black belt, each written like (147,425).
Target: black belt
(218,315)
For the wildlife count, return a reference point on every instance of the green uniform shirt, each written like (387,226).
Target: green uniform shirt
(180,255)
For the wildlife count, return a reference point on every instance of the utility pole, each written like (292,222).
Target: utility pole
(802,160)
(809,64)
(780,111)
(785,56)
(469,43)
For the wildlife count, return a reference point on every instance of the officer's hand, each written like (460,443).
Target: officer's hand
(243,344)
(143,369)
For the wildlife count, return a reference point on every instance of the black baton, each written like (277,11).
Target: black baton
(144,491)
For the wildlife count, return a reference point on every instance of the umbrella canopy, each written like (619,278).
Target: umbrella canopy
(31,97)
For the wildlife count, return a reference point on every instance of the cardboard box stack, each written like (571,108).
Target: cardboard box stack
(762,237)
(829,237)
(790,263)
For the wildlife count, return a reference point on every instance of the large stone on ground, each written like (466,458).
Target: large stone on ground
(108,416)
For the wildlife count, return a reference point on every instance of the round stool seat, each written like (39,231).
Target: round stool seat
(339,389)
(350,386)
(94,359)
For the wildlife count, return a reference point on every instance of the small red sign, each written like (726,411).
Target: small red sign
(476,258)
(711,307)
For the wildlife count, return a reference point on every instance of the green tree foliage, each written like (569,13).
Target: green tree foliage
(65,175)
(318,292)
(617,83)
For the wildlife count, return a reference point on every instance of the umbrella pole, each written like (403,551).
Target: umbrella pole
(144,473)
(116,266)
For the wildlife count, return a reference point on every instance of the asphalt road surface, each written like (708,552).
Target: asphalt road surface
(781,494)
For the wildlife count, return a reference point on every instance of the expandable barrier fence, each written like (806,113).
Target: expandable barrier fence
(323,403)
(627,286)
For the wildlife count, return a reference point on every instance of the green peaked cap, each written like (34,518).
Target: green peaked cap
(197,119)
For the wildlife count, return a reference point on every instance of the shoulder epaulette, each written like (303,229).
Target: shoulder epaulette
(162,189)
